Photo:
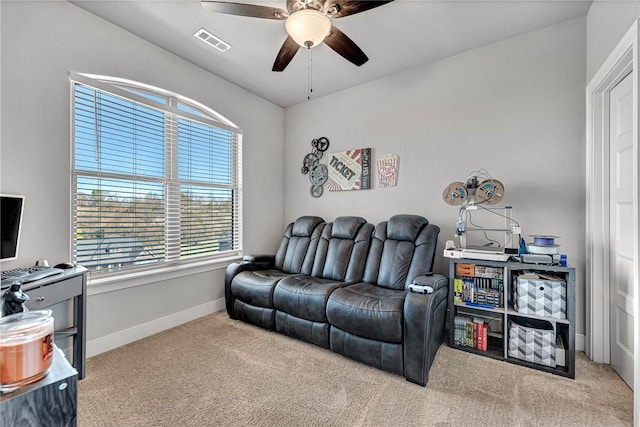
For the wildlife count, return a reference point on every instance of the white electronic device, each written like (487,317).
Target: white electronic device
(420,289)
(471,254)
(536,259)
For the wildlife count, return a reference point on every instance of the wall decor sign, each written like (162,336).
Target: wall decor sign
(388,170)
(349,170)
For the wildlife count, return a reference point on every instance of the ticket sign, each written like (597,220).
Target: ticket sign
(349,170)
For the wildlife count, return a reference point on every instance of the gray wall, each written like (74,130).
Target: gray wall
(607,22)
(41,43)
(515,108)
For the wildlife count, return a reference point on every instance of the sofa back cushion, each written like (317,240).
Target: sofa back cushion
(298,245)
(401,249)
(342,249)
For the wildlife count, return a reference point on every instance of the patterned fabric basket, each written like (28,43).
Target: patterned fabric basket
(532,340)
(540,297)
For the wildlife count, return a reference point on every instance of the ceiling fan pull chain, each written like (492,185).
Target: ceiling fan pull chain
(310,75)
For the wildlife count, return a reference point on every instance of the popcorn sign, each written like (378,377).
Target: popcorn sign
(388,170)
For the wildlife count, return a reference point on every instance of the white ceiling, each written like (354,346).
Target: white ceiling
(395,36)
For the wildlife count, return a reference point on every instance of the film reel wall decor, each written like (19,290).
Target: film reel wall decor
(318,172)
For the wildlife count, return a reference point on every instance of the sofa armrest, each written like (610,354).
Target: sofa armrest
(260,259)
(249,263)
(434,281)
(424,326)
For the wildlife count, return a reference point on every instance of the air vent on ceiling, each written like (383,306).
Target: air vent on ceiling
(212,40)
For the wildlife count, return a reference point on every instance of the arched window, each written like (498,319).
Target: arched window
(156,177)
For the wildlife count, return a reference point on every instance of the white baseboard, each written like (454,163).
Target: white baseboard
(579,342)
(126,336)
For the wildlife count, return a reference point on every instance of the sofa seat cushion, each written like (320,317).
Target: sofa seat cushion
(382,355)
(305,297)
(256,287)
(306,330)
(368,311)
(259,316)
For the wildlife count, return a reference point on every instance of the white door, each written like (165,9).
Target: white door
(621,260)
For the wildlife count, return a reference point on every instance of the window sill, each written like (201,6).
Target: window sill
(101,285)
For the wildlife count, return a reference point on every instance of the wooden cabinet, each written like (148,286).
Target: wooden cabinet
(52,401)
(517,312)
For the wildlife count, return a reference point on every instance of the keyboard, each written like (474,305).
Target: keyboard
(27,274)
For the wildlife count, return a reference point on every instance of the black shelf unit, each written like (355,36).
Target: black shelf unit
(502,316)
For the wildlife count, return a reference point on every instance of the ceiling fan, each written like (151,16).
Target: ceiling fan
(308,23)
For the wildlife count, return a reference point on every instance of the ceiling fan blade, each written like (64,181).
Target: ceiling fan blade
(243,9)
(341,8)
(294,5)
(344,46)
(287,52)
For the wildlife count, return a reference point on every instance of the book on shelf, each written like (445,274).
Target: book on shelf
(457,290)
(479,291)
(489,272)
(471,332)
(464,269)
(482,332)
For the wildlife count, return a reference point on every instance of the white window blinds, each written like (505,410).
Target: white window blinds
(155,178)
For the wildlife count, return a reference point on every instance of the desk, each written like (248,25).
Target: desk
(52,401)
(71,284)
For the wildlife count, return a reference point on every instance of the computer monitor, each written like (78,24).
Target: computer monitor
(11,207)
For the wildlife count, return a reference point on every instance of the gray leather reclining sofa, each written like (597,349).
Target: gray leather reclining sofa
(344,285)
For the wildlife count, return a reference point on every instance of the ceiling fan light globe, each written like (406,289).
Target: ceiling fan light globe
(308,27)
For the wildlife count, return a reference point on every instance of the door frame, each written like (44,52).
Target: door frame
(622,60)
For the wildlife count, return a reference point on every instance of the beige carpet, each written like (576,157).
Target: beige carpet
(218,372)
